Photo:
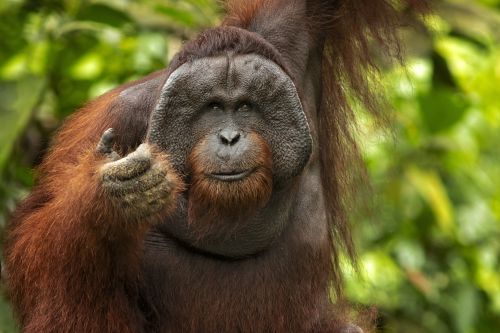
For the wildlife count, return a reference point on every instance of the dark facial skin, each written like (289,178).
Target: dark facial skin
(234,125)
(240,93)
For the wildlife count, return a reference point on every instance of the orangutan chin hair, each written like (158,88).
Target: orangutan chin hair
(212,201)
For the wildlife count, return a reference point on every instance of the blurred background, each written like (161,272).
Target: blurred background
(430,250)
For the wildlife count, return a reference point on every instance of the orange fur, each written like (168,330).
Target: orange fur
(219,205)
(72,261)
(77,264)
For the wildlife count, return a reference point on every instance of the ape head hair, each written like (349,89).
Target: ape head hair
(234,125)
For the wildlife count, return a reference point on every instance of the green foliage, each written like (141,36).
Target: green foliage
(430,261)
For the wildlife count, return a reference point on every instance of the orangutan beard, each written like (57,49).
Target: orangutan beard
(220,206)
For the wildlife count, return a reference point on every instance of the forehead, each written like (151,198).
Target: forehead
(229,72)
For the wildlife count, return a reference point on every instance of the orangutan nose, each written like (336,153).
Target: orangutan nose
(229,136)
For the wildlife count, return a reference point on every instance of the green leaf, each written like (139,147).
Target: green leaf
(88,67)
(442,108)
(6,323)
(102,13)
(177,15)
(465,307)
(18,100)
(434,192)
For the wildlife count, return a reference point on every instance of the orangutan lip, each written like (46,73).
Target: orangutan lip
(230,176)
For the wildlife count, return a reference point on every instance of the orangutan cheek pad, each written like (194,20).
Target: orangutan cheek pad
(276,111)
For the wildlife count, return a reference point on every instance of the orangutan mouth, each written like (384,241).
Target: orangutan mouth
(230,176)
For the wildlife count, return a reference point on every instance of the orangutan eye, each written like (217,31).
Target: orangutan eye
(245,107)
(215,106)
